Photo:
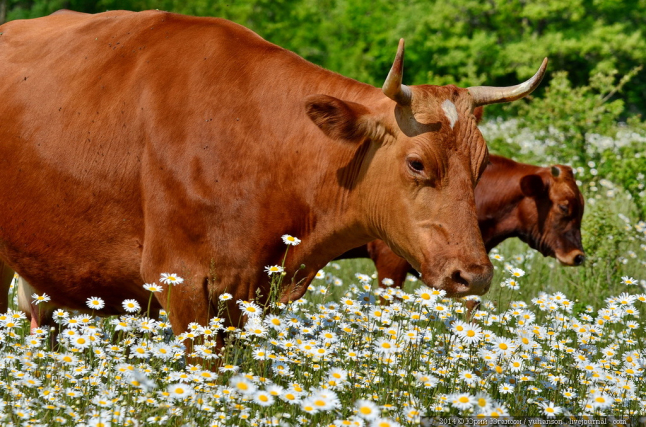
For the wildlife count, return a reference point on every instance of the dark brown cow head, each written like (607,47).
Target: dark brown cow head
(422,156)
(555,205)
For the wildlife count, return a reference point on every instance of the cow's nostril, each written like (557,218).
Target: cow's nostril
(579,259)
(457,277)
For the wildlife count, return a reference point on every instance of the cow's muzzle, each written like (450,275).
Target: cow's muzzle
(572,258)
(472,279)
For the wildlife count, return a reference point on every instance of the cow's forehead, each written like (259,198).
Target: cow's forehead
(430,95)
(451,109)
(446,104)
(565,188)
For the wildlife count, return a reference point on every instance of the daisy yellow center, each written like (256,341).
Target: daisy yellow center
(386,345)
(463,399)
(503,346)
(471,333)
(263,398)
(243,386)
(365,410)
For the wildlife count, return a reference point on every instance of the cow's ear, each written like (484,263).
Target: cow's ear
(341,119)
(532,186)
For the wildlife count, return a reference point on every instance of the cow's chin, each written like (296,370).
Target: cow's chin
(455,287)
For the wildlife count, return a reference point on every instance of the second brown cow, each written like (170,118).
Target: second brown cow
(542,206)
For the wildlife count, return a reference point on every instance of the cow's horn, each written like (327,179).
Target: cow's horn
(485,95)
(393,87)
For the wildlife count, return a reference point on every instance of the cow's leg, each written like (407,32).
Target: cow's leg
(189,302)
(389,265)
(6,276)
(472,307)
(41,313)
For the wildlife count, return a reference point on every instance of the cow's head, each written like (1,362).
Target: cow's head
(553,205)
(419,155)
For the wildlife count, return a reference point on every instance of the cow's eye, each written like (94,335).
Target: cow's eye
(564,209)
(416,165)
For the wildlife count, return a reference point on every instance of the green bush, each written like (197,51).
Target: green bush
(566,117)
(466,42)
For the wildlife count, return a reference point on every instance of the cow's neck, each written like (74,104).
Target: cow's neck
(327,233)
(499,198)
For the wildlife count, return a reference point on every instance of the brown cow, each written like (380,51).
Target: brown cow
(542,206)
(133,144)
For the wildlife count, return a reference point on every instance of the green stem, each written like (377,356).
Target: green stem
(150,299)
(168,303)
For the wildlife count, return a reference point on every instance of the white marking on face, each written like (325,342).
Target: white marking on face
(450,111)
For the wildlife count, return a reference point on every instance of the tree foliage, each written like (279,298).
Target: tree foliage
(465,42)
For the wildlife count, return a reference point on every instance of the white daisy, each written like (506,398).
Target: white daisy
(242,385)
(171,279)
(290,240)
(131,305)
(179,391)
(152,287)
(263,398)
(40,298)
(367,409)
(274,269)
(95,303)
